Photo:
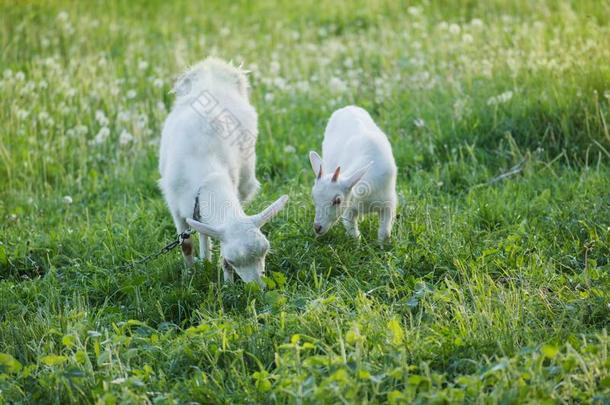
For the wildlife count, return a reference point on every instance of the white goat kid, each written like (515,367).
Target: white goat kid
(354,144)
(207,156)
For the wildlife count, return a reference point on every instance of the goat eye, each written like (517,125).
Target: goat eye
(337,201)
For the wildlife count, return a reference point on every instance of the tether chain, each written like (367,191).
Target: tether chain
(172,245)
(167,248)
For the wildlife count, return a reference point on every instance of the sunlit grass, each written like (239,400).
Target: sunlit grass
(490,291)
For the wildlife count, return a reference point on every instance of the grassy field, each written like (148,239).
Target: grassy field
(493,290)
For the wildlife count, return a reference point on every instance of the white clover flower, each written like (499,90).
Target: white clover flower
(476,22)
(125,137)
(101,136)
(53,65)
(131,94)
(280,83)
(43,116)
(43,84)
(323,60)
(269,97)
(71,92)
(158,83)
(141,121)
(142,65)
(225,31)
(337,85)
(7,74)
(486,67)
(124,116)
(67,200)
(81,130)
(454,29)
(419,123)
(274,67)
(22,114)
(302,86)
(101,118)
(64,109)
(460,108)
(28,88)
(414,11)
(467,38)
(506,96)
(161,106)
(500,99)
(20,76)
(253,68)
(69,29)
(63,16)
(607,94)
(289,149)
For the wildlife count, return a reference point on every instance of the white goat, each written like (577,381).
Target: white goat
(207,157)
(354,144)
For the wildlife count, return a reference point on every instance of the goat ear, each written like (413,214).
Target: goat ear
(205,229)
(316,163)
(263,217)
(355,177)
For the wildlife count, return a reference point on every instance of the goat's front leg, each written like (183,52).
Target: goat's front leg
(187,244)
(205,247)
(229,272)
(350,222)
(386,220)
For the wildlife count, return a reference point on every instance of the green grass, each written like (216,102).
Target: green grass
(491,292)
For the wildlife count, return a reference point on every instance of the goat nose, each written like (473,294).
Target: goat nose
(318,228)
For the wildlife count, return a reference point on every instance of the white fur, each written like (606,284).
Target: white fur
(366,181)
(199,159)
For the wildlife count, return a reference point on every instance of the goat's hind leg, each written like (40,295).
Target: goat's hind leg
(248,184)
(248,189)
(228,271)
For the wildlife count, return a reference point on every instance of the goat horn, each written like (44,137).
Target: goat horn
(336,174)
